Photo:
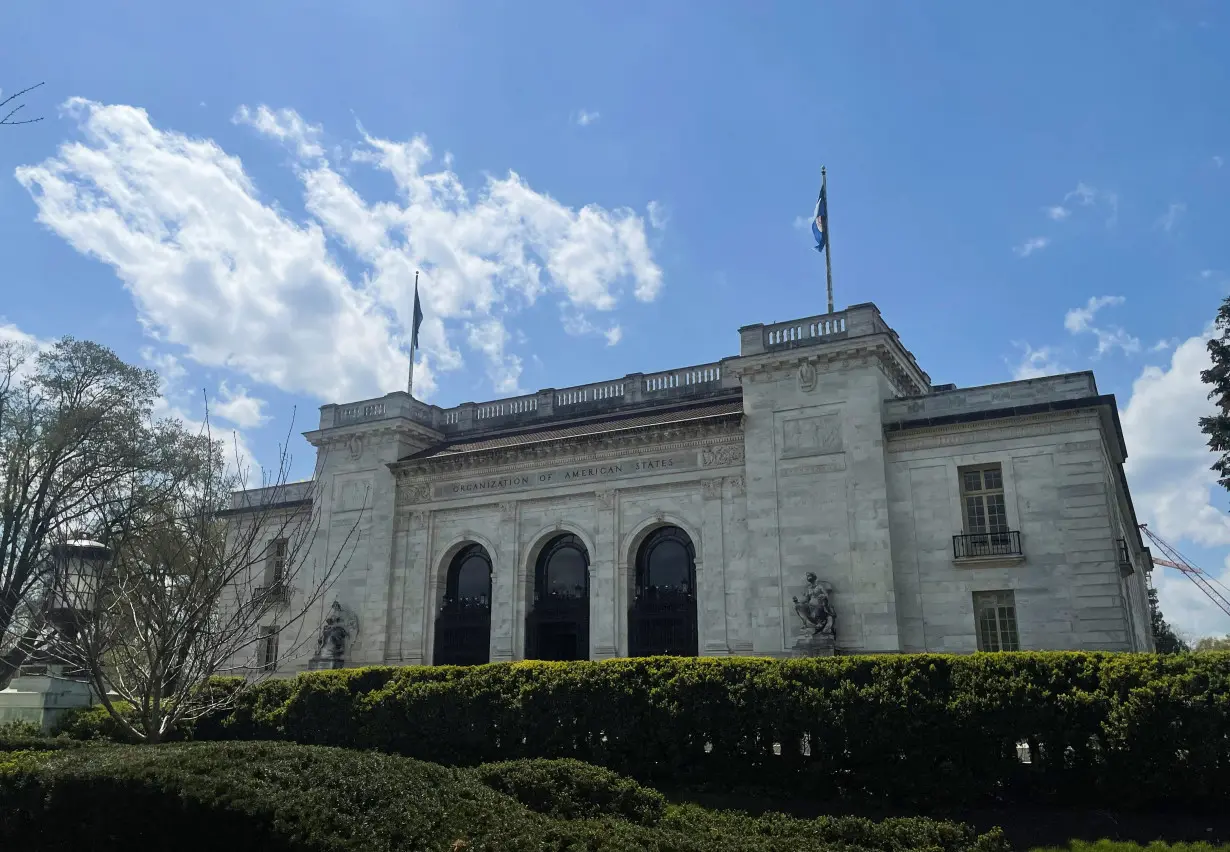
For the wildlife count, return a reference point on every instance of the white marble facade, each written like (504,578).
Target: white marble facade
(822,446)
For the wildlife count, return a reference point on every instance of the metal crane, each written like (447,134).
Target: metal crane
(1173,559)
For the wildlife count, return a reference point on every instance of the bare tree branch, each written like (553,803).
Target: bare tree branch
(8,118)
(194,582)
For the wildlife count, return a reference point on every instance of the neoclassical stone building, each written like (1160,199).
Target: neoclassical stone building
(680,512)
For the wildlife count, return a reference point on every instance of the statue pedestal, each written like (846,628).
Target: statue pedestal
(42,697)
(816,645)
(317,664)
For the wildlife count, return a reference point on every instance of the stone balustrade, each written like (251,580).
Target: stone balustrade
(610,396)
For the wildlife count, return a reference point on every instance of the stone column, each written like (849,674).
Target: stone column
(711,574)
(603,602)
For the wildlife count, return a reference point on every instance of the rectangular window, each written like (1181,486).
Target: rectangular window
(276,573)
(982,495)
(268,648)
(995,614)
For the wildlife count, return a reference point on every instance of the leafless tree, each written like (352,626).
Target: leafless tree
(14,106)
(210,581)
(74,426)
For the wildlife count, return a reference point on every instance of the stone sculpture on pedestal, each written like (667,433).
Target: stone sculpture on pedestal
(337,635)
(815,609)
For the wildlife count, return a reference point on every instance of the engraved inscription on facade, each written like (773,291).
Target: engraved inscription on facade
(811,436)
(589,473)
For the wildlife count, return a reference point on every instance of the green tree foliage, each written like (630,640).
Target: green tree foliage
(1213,643)
(75,437)
(1164,638)
(1217,425)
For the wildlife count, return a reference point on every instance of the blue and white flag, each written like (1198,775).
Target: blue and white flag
(820,221)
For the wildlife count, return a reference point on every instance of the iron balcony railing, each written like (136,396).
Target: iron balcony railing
(277,593)
(979,544)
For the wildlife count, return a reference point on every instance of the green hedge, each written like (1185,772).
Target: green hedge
(282,796)
(570,789)
(1118,730)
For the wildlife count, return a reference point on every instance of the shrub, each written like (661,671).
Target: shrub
(20,728)
(570,789)
(281,796)
(1121,730)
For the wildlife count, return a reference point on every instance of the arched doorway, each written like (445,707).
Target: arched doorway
(463,624)
(557,627)
(662,618)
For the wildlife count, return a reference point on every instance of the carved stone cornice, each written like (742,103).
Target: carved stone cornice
(956,434)
(658,439)
(372,432)
(879,350)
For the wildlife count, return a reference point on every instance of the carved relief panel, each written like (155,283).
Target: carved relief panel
(811,436)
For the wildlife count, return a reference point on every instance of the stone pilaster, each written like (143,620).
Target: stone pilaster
(504,585)
(603,601)
(711,573)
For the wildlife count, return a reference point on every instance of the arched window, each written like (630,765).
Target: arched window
(662,618)
(563,569)
(469,577)
(557,627)
(463,624)
(667,564)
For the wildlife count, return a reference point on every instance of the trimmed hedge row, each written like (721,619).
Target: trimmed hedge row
(282,796)
(1116,730)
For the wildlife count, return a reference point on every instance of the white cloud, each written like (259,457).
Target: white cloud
(1080,320)
(657,214)
(240,285)
(1032,245)
(1168,220)
(578,324)
(239,408)
(1085,195)
(286,125)
(491,338)
(586,117)
(1035,363)
(1163,345)
(1218,161)
(1172,484)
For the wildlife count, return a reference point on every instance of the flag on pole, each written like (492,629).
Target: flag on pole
(820,220)
(418,317)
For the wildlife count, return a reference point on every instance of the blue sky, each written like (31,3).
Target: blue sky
(236,196)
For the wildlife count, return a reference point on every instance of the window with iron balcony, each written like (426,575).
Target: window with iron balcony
(1125,558)
(984,514)
(275,589)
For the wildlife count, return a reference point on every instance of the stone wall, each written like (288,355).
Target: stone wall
(1059,490)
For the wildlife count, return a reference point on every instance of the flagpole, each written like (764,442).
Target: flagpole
(410,377)
(828,237)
